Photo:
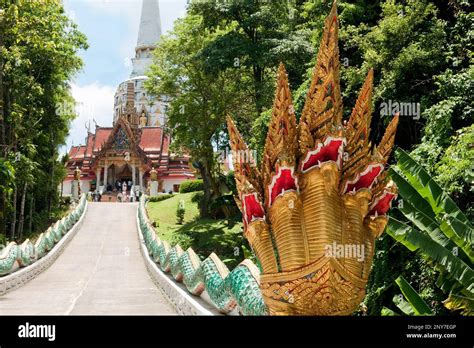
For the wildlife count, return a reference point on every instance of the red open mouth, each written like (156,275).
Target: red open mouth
(365,179)
(330,150)
(284,180)
(382,204)
(253,209)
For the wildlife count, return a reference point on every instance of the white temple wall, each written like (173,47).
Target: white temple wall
(168,183)
(67,188)
(85,186)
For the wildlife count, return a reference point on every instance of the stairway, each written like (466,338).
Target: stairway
(101,271)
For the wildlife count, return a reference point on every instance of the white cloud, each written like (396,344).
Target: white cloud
(93,102)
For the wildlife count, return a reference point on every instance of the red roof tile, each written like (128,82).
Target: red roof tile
(80,153)
(151,139)
(166,145)
(101,136)
(77,152)
(72,151)
(90,144)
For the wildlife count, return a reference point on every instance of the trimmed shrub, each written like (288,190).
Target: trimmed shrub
(160,198)
(180,212)
(191,186)
(197,197)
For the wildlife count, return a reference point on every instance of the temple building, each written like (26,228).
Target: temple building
(137,142)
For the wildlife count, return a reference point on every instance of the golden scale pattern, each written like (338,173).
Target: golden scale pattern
(290,230)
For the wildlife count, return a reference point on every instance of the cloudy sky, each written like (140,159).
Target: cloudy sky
(111,27)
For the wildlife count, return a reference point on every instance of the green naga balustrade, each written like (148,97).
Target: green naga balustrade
(14,255)
(226,290)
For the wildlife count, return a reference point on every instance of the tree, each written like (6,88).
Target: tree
(198,100)
(38,55)
(454,170)
(258,36)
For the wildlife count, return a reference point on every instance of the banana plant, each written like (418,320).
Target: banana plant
(413,305)
(436,228)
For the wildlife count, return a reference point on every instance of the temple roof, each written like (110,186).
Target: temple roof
(149,139)
(89,144)
(151,144)
(101,136)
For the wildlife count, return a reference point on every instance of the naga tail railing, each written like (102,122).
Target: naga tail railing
(227,290)
(15,256)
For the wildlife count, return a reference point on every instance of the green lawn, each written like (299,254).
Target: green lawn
(165,213)
(203,235)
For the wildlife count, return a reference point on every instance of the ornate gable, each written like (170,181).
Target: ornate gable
(122,139)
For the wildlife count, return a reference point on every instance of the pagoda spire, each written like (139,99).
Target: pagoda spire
(149,33)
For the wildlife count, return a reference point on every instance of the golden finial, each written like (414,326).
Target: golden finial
(281,144)
(245,168)
(358,129)
(249,187)
(323,106)
(386,144)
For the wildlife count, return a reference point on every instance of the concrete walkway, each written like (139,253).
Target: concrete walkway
(101,271)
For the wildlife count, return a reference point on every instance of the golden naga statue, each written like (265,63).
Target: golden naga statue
(153,174)
(143,119)
(320,196)
(77,174)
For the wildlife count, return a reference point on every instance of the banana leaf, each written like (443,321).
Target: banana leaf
(417,303)
(422,213)
(410,194)
(416,240)
(460,303)
(432,228)
(447,284)
(440,202)
(387,312)
(461,233)
(403,305)
(425,223)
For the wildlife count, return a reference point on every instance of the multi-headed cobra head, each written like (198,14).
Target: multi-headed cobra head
(313,211)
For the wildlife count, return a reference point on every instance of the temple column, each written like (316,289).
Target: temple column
(97,175)
(106,169)
(140,173)
(134,175)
